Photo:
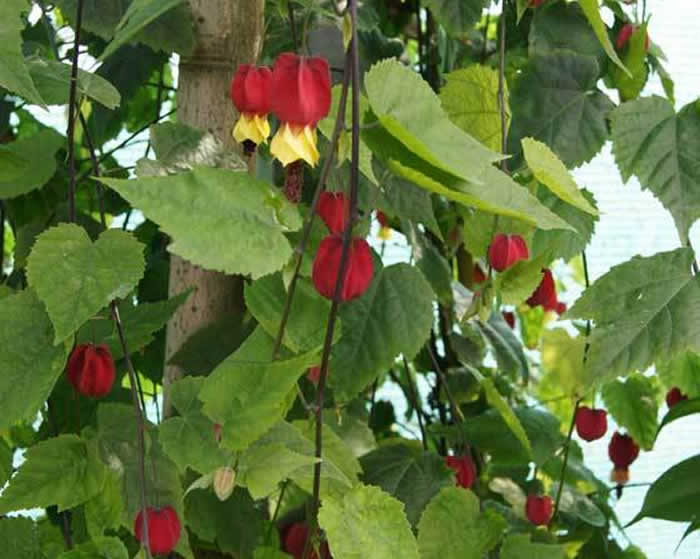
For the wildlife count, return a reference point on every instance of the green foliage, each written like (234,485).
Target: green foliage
(682,371)
(643,308)
(99,548)
(249,216)
(519,546)
(33,163)
(19,538)
(658,146)
(457,17)
(592,11)
(75,278)
(631,82)
(681,409)
(5,462)
(499,403)
(452,527)
(369,524)
(634,405)
(506,347)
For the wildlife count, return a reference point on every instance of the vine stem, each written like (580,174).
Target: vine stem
(413,391)
(501,86)
(347,239)
(293,25)
(71,111)
(456,412)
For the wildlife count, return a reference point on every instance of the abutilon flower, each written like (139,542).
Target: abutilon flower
(358,270)
(506,250)
(302,97)
(509,317)
(163,529)
(294,540)
(334,210)
(384,227)
(91,370)
(591,424)
(465,469)
(479,276)
(674,396)
(546,294)
(622,450)
(251,94)
(627,30)
(539,509)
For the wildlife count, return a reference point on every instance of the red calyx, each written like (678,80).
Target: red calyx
(591,424)
(163,529)
(465,468)
(382,219)
(251,89)
(546,294)
(622,450)
(509,317)
(624,35)
(358,270)
(539,509)
(333,209)
(294,541)
(302,89)
(506,250)
(674,396)
(479,275)
(91,370)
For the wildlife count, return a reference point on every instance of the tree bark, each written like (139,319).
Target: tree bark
(227,33)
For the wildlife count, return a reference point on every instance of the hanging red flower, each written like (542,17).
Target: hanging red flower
(539,509)
(591,424)
(674,396)
(163,529)
(251,94)
(622,450)
(624,35)
(465,469)
(384,227)
(546,294)
(506,250)
(358,271)
(294,541)
(91,370)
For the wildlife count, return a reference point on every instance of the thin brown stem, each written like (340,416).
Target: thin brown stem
(567,447)
(501,86)
(456,412)
(70,133)
(413,391)
(65,515)
(292,26)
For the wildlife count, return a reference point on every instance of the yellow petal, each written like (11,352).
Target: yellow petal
(251,127)
(384,233)
(290,145)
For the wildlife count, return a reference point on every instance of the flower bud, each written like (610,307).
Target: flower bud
(163,529)
(384,227)
(624,35)
(224,482)
(465,469)
(91,370)
(539,509)
(591,424)
(506,250)
(358,270)
(622,450)
(674,396)
(294,541)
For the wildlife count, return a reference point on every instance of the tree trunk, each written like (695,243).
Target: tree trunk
(227,33)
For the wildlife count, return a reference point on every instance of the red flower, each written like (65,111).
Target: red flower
(302,89)
(546,294)
(538,509)
(294,541)
(251,89)
(382,219)
(591,424)
(624,35)
(333,209)
(506,250)
(314,374)
(622,450)
(674,396)
(479,275)
(509,317)
(465,468)
(91,370)
(163,529)
(358,270)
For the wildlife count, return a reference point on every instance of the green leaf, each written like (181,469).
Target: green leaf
(660,147)
(35,162)
(550,171)
(592,11)
(681,409)
(556,101)
(306,326)
(431,263)
(75,277)
(643,308)
(575,503)
(100,548)
(30,362)
(14,75)
(247,393)
(634,405)
(507,348)
(405,471)
(5,462)
(519,546)
(682,371)
(497,402)
(457,17)
(52,79)
(249,216)
(452,527)
(518,283)
(188,439)
(631,82)
(367,524)
(64,471)
(470,100)
(410,111)
(269,553)
(99,16)
(393,316)
(136,19)
(19,538)
(675,495)
(104,510)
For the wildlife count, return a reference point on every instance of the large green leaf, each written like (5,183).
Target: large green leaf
(34,162)
(188,439)
(634,405)
(591,9)
(457,17)
(555,100)
(645,308)
(507,348)
(551,172)
(660,148)
(75,277)
(394,316)
(367,524)
(517,283)
(100,548)
(682,371)
(6,456)
(675,495)
(52,79)
(499,403)
(470,100)
(410,111)
(99,16)
(452,527)
(104,510)
(14,75)
(247,392)
(249,218)
(679,410)
(519,546)
(64,471)
(29,360)
(410,474)
(19,539)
